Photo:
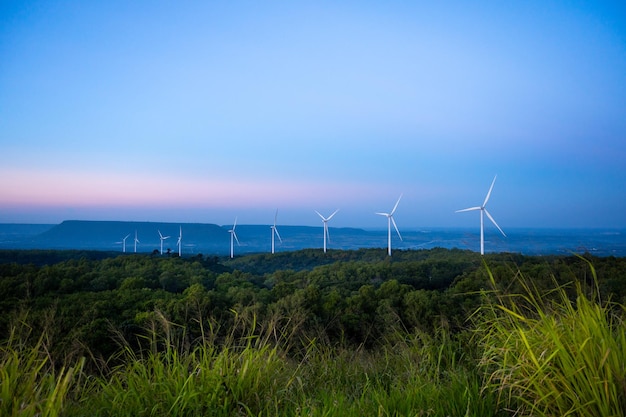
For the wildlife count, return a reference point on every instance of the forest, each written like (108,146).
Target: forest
(308,333)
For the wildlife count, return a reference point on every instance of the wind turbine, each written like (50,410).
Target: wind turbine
(136,241)
(233,237)
(325,220)
(275,231)
(179,242)
(483,209)
(390,220)
(162,239)
(123,242)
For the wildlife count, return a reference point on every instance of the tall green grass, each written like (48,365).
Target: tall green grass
(251,374)
(243,376)
(555,354)
(30,384)
(419,375)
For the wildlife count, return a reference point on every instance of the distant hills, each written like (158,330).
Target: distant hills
(212,239)
(196,237)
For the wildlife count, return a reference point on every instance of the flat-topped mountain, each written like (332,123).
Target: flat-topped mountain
(196,237)
(110,234)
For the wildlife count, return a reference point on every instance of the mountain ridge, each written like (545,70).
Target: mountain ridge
(213,239)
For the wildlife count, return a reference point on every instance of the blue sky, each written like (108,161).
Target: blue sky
(203,111)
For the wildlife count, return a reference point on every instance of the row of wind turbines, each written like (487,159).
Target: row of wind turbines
(390,221)
(162,238)
(273,228)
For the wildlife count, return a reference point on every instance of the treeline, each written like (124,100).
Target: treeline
(86,303)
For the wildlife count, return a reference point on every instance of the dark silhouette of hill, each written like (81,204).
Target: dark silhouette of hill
(108,235)
(197,237)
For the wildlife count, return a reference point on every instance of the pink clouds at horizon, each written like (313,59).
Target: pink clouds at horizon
(57,189)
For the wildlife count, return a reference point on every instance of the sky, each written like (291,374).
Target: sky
(205,112)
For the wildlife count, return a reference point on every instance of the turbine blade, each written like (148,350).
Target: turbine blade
(469,209)
(235,224)
(235,236)
(383,214)
(318,213)
(489,193)
(278,234)
(275,217)
(396,206)
(396,227)
(160,234)
(127,236)
(494,222)
(331,216)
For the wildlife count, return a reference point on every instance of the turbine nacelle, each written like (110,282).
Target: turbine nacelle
(275,231)
(136,241)
(162,239)
(233,233)
(123,242)
(325,221)
(482,210)
(179,242)
(233,238)
(390,221)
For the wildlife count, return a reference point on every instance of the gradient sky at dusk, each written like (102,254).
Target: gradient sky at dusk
(202,111)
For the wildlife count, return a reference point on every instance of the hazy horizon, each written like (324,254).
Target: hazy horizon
(203,112)
(489,228)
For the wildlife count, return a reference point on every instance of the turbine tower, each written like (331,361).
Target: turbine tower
(162,239)
(325,221)
(483,209)
(123,242)
(233,237)
(179,242)
(390,220)
(136,241)
(275,231)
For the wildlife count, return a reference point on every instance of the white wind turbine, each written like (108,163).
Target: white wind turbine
(390,220)
(123,242)
(136,241)
(233,237)
(483,209)
(162,239)
(275,231)
(325,221)
(179,242)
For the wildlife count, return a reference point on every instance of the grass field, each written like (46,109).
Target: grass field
(524,354)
